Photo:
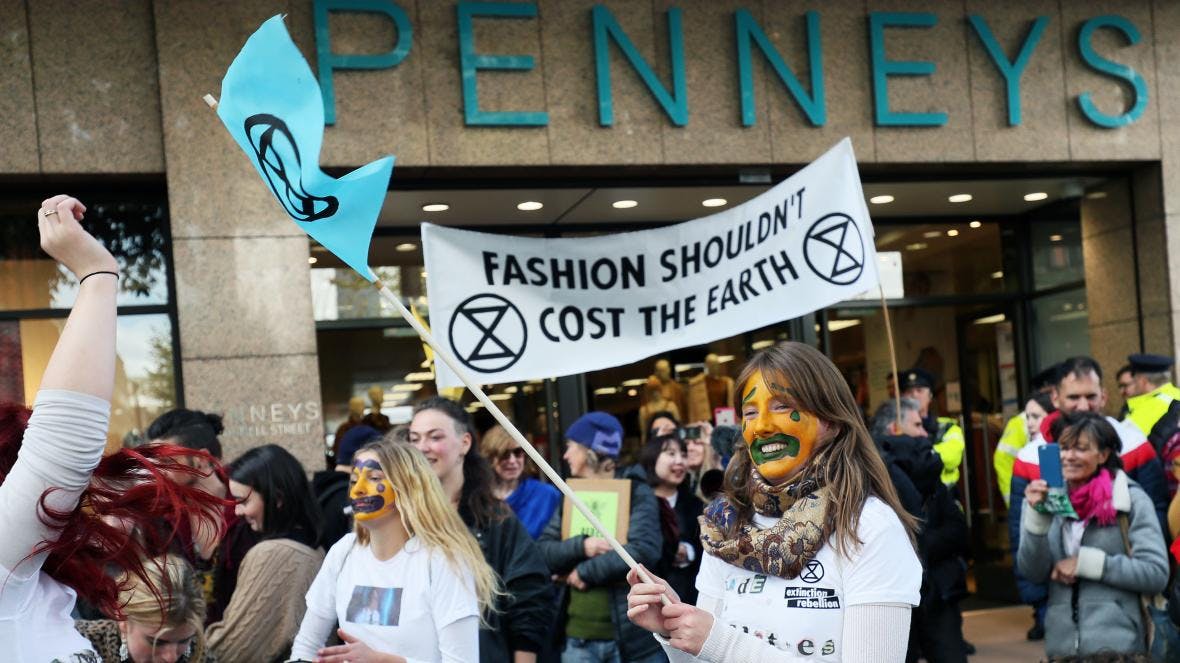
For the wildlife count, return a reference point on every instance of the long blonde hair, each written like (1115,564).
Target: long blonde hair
(847,462)
(170,596)
(426,514)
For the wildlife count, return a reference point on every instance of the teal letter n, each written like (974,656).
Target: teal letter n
(813,105)
(675,104)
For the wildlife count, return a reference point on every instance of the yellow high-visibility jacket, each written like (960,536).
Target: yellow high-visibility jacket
(1013,439)
(1147,412)
(950,446)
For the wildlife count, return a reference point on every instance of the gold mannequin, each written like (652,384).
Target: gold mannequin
(356,413)
(669,387)
(654,402)
(374,418)
(719,385)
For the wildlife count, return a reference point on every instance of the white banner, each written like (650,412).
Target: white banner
(518,308)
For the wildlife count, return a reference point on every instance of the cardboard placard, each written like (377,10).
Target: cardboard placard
(608,499)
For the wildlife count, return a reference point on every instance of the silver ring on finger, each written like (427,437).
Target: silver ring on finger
(48,213)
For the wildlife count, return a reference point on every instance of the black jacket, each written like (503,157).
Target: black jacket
(609,570)
(915,470)
(331,492)
(683,579)
(524,614)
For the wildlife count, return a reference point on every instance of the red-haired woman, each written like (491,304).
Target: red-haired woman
(52,550)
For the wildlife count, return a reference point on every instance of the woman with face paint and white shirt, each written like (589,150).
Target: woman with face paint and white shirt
(410,585)
(808,554)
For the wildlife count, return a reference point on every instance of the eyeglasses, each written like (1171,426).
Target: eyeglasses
(517,453)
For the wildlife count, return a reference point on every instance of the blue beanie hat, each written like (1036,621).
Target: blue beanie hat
(352,440)
(599,431)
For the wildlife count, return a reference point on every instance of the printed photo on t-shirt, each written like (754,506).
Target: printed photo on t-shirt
(374,606)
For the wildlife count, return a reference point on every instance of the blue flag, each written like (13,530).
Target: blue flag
(271,104)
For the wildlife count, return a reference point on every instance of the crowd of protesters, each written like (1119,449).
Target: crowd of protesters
(801,534)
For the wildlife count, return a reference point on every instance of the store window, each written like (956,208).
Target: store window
(935,256)
(135,232)
(36,295)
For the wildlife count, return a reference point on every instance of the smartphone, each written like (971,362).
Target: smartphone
(1051,465)
(692,432)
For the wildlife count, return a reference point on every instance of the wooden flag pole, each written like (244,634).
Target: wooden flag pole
(445,355)
(892,357)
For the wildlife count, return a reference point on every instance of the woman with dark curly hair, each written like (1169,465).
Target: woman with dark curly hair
(52,550)
(809,552)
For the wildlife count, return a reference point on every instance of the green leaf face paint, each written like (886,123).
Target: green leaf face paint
(776,447)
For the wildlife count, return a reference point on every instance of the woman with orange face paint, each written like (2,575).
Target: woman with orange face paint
(410,584)
(809,556)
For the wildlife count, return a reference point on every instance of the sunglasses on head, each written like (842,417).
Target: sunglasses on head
(514,453)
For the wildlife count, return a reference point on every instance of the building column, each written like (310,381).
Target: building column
(247,331)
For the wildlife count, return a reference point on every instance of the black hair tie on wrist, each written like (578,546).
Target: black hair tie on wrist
(114,274)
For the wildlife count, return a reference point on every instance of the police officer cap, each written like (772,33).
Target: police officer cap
(916,377)
(1146,363)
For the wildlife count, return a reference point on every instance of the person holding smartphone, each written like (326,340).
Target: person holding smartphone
(1099,563)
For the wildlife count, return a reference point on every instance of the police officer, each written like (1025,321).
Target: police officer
(1155,410)
(1015,434)
(948,438)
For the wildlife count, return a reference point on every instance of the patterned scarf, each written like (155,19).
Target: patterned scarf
(781,550)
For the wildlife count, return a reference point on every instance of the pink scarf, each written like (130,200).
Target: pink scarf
(1094,501)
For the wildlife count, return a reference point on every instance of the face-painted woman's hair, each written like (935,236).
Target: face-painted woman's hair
(845,459)
(129,486)
(290,509)
(428,515)
(169,596)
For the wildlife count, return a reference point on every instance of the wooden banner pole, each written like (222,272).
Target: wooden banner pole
(892,357)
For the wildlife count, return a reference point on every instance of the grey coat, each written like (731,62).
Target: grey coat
(1109,583)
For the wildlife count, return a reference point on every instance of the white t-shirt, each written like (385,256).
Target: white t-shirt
(62,445)
(398,606)
(805,616)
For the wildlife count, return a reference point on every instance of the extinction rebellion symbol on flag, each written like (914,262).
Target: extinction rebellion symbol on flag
(488,333)
(834,249)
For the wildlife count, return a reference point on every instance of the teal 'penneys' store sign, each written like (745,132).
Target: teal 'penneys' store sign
(750,36)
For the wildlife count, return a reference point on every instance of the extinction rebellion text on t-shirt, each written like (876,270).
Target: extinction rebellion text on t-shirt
(812,597)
